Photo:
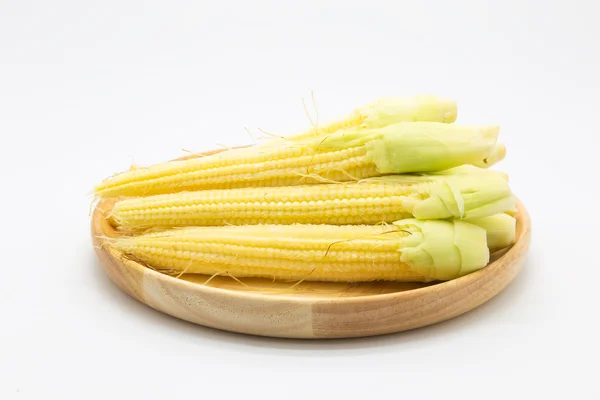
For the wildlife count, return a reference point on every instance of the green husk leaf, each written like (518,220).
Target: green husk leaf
(462,192)
(443,250)
(390,110)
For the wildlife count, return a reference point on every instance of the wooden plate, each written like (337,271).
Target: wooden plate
(311,309)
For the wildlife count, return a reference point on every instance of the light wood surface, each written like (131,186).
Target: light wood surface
(310,309)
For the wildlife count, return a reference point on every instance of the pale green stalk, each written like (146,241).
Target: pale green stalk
(500,228)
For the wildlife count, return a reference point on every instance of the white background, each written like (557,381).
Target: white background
(88,87)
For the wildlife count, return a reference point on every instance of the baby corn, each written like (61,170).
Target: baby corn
(387,111)
(408,250)
(463,192)
(339,157)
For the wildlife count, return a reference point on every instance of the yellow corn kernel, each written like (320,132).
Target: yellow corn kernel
(459,193)
(342,156)
(407,250)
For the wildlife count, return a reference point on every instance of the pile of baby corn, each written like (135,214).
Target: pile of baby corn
(395,191)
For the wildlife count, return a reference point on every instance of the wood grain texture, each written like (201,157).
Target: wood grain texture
(311,309)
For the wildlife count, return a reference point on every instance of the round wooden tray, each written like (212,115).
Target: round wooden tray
(310,309)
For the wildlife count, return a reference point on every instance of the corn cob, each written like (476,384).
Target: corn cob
(342,156)
(463,192)
(387,111)
(408,250)
(500,230)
